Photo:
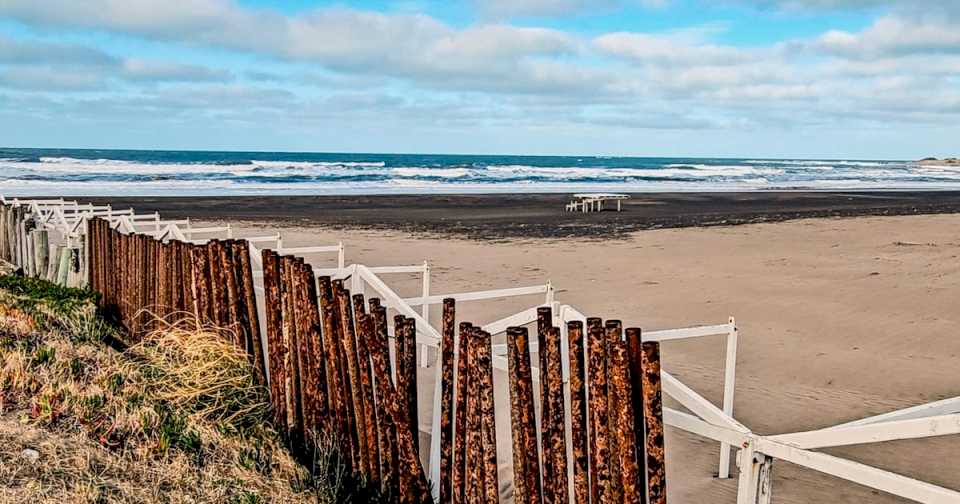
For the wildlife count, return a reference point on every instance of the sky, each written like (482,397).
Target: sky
(864,79)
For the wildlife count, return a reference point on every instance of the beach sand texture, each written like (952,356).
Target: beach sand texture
(839,319)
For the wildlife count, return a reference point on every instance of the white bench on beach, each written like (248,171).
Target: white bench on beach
(593,202)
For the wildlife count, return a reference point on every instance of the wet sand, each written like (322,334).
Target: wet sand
(506,216)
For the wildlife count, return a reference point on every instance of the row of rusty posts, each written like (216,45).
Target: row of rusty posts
(144,282)
(331,373)
(28,247)
(616,418)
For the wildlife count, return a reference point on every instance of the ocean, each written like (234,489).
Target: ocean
(75,172)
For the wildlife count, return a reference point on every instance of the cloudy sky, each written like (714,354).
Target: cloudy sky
(872,79)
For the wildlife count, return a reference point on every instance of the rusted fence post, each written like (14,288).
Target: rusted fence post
(387,432)
(349,342)
(599,443)
(555,445)
(372,455)
(274,326)
(626,463)
(544,322)
(653,423)
(405,332)
(460,462)
(614,335)
(448,330)
(474,437)
(634,358)
(488,422)
(526,462)
(578,413)
(417,491)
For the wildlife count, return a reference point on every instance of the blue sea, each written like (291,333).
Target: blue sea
(26,172)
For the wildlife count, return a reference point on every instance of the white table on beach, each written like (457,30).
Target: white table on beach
(593,202)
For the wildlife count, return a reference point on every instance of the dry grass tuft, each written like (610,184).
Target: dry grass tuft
(179,417)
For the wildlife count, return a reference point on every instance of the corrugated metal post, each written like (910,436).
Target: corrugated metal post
(526,462)
(653,423)
(578,413)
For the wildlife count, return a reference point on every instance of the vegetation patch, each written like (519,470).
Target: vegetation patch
(179,417)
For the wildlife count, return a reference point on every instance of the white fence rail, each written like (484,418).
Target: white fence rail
(755,452)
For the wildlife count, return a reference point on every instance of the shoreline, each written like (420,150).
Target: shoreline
(513,216)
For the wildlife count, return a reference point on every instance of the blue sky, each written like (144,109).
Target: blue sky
(871,79)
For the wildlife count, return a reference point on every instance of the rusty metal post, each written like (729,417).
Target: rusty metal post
(614,335)
(600,440)
(554,443)
(488,422)
(274,327)
(330,345)
(228,276)
(462,378)
(634,357)
(349,343)
(291,355)
(387,432)
(406,334)
(578,413)
(653,423)
(544,322)
(625,460)
(248,293)
(417,491)
(201,286)
(448,330)
(306,356)
(217,303)
(317,349)
(526,461)
(372,455)
(474,448)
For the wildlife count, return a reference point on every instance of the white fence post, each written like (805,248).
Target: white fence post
(729,387)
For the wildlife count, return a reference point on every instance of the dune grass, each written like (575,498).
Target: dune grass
(177,417)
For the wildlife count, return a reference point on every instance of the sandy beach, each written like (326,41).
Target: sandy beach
(840,318)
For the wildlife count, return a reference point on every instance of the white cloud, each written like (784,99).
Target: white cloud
(19,52)
(510,8)
(164,71)
(356,63)
(892,35)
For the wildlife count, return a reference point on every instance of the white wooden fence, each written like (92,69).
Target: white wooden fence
(755,453)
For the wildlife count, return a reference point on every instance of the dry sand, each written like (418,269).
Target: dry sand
(839,319)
